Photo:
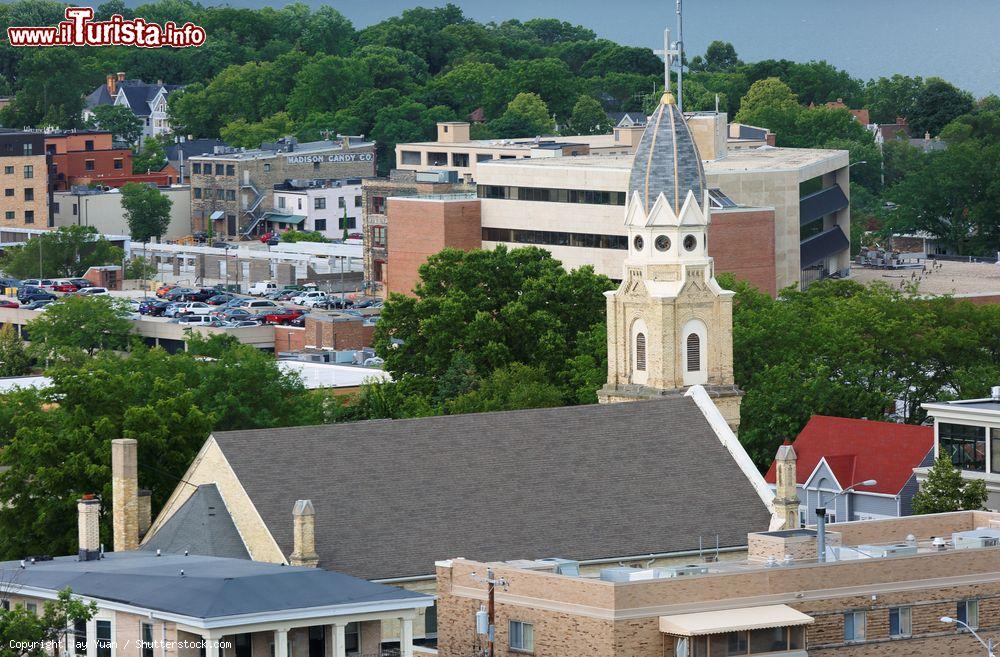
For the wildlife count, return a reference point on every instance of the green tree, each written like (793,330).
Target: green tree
(937,105)
(19,626)
(890,98)
(151,157)
(65,252)
(526,116)
(118,120)
(14,360)
(765,97)
(509,388)
(140,268)
(146,210)
(945,490)
(588,118)
(51,86)
(242,134)
(719,57)
(80,325)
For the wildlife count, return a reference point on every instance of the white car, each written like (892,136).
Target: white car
(92,291)
(260,288)
(309,298)
(259,306)
(200,320)
(193,308)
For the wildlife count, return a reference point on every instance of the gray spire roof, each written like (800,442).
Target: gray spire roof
(667,159)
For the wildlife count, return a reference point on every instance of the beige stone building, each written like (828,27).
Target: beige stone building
(24,182)
(103,210)
(884,591)
(232,189)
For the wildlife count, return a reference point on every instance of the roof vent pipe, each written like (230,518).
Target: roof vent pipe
(995,393)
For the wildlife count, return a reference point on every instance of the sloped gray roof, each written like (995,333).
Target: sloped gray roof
(201,526)
(210,587)
(666,159)
(583,482)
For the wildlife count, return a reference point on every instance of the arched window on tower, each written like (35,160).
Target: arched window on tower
(640,352)
(693,352)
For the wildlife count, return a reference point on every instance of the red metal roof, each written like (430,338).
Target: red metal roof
(857,450)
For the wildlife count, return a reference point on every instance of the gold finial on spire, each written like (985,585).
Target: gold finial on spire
(667,99)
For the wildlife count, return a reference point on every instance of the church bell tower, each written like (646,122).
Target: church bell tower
(670,325)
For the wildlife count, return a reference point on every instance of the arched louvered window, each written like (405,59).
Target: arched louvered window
(640,352)
(693,352)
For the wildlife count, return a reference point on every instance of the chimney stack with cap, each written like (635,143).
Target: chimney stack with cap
(88,510)
(112,84)
(125,491)
(304,535)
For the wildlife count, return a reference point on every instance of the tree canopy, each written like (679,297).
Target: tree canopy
(146,210)
(62,253)
(945,490)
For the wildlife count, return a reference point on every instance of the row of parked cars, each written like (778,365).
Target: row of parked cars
(35,293)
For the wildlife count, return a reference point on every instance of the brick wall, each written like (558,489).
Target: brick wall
(324,334)
(742,243)
(421,228)
(15,184)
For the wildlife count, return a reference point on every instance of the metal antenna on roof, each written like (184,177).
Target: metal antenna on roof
(679,46)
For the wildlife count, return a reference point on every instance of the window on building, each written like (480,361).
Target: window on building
(29,171)
(900,621)
(55,208)
(29,216)
(693,352)
(220,169)
(9,214)
(196,167)
(315,166)
(281,202)
(8,170)
(320,225)
(230,169)
(357,201)
(147,640)
(119,163)
(409,157)
(29,149)
(9,191)
(553,238)
(437,159)
(431,620)
(522,636)
(460,159)
(88,165)
(230,194)
(208,193)
(352,637)
(319,203)
(484,157)
(299,202)
(854,626)
(640,352)
(80,637)
(242,645)
(103,638)
(967,611)
(267,167)
(771,639)
(29,193)
(196,191)
(341,202)
(5,604)
(995,458)
(88,145)
(378,205)
(965,444)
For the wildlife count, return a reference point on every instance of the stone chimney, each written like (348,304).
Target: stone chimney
(786,498)
(304,535)
(125,493)
(112,84)
(145,511)
(88,510)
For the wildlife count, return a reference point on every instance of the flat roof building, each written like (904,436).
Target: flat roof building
(24,191)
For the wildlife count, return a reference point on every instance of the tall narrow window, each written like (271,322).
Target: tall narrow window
(640,352)
(693,352)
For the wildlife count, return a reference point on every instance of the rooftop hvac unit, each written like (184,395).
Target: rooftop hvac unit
(682,571)
(627,574)
(437,177)
(896,550)
(978,538)
(564,566)
(344,356)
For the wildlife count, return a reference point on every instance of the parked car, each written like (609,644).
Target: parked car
(164,289)
(261,288)
(177,294)
(157,308)
(9,304)
(199,320)
(36,305)
(304,287)
(282,316)
(146,305)
(92,292)
(310,297)
(80,282)
(237,314)
(332,303)
(41,283)
(268,236)
(193,308)
(64,286)
(245,323)
(299,321)
(9,282)
(259,305)
(29,293)
(219,299)
(235,302)
(200,236)
(284,295)
(204,294)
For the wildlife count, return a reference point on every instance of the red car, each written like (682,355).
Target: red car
(283,316)
(64,287)
(266,237)
(11,304)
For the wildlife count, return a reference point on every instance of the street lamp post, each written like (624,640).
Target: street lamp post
(986,644)
(821,516)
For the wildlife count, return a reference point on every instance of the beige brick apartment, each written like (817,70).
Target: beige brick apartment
(24,193)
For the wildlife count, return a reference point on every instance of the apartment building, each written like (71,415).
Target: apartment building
(886,588)
(328,207)
(232,189)
(24,192)
(91,157)
(969,432)
(148,102)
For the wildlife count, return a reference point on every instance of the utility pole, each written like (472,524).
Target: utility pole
(486,618)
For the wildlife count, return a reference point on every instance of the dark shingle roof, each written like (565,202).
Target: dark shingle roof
(210,587)
(583,482)
(202,526)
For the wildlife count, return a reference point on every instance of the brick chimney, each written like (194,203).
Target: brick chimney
(304,535)
(125,493)
(112,85)
(88,511)
(121,76)
(145,511)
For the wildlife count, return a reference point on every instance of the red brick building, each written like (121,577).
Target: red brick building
(91,156)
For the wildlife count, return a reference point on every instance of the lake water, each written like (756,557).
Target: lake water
(955,40)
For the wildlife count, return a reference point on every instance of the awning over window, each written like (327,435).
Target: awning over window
(822,245)
(732,620)
(824,202)
(285,218)
(218,214)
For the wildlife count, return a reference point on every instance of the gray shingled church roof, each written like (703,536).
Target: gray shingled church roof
(210,587)
(666,159)
(583,482)
(201,526)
